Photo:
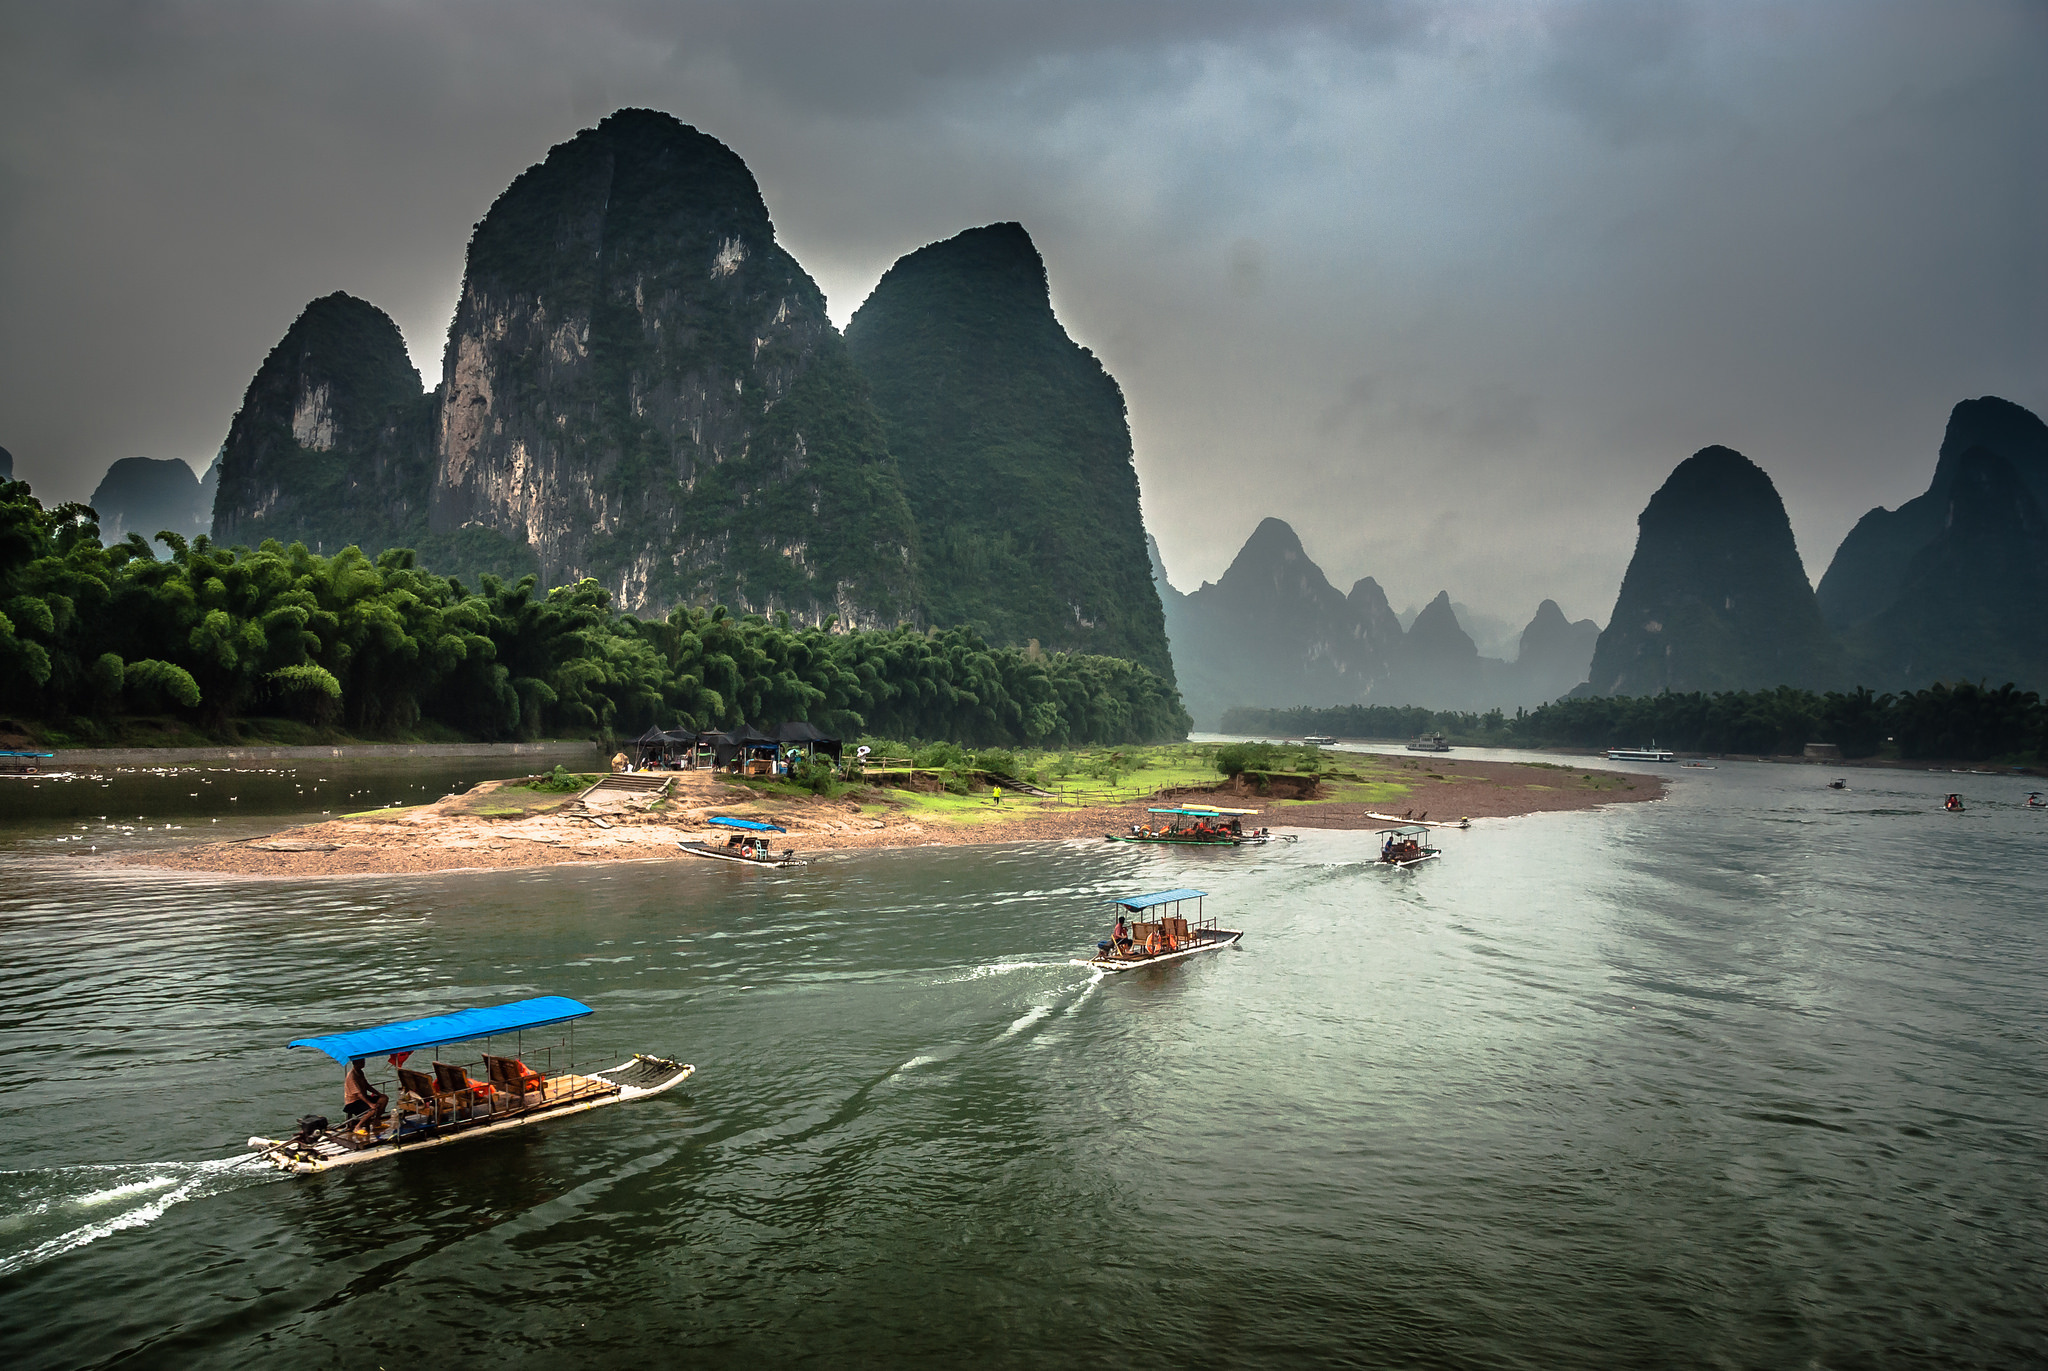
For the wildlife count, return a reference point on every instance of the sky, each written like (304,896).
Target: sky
(1448,287)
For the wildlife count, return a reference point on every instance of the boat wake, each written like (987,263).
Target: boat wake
(1031,1016)
(46,1213)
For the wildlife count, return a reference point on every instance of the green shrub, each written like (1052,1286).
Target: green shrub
(997,763)
(815,774)
(942,757)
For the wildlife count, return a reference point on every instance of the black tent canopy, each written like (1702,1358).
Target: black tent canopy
(807,735)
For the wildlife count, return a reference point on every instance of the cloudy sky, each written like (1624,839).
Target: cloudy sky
(1450,287)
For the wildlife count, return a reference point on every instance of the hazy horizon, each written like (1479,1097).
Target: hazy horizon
(1450,289)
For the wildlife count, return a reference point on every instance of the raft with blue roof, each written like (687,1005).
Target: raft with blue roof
(1164,935)
(445,1103)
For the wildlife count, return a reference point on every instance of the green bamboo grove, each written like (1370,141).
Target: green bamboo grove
(212,635)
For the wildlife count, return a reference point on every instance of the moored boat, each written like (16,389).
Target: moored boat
(447,1104)
(749,844)
(1406,847)
(1166,937)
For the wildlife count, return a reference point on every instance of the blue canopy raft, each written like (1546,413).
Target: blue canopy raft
(444,1103)
(747,843)
(1198,826)
(1167,936)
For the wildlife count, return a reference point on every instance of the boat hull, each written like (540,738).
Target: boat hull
(1209,940)
(721,855)
(287,1155)
(1182,842)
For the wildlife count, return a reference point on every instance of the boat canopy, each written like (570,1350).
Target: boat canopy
(1198,811)
(1138,902)
(752,825)
(1417,829)
(461,1026)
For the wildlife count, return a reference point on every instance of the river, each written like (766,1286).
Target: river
(1753,1076)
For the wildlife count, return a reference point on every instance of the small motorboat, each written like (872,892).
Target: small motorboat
(1167,937)
(447,1104)
(1404,847)
(1953,804)
(1838,785)
(749,844)
(2034,800)
(1422,821)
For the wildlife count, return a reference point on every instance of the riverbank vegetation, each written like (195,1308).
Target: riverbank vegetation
(1962,722)
(211,640)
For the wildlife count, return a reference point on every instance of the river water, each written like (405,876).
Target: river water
(1750,1077)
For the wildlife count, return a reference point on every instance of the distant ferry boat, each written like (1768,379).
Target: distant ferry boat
(1641,754)
(1320,740)
(1430,742)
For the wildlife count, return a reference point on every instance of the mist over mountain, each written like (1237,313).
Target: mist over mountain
(1715,597)
(1274,630)
(150,495)
(1014,451)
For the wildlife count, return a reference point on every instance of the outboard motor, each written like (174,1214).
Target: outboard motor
(310,1127)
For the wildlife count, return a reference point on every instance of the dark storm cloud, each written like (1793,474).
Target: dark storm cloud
(1450,287)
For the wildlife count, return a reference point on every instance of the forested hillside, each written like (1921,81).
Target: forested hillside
(213,635)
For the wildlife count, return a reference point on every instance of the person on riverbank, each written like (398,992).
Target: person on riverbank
(361,1102)
(999,794)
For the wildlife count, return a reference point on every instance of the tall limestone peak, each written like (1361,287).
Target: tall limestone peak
(1378,624)
(1869,568)
(1436,636)
(6,465)
(643,387)
(1554,652)
(1014,449)
(149,495)
(1715,597)
(1973,601)
(331,445)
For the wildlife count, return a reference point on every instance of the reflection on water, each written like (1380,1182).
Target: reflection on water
(1749,1077)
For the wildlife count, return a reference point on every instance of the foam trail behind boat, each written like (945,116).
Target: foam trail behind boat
(83,1204)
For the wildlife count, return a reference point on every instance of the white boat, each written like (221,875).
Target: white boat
(1652,753)
(1430,742)
(1320,740)
(1165,938)
(1404,847)
(448,1105)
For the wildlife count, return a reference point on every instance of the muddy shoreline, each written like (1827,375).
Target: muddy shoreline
(498,825)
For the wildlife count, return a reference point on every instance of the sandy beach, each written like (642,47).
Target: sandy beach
(502,824)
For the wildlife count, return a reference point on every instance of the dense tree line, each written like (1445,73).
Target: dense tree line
(211,634)
(1961,722)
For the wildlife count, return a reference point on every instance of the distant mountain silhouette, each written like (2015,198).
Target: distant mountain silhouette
(1715,597)
(1972,602)
(6,465)
(1870,566)
(150,495)
(1274,632)
(1948,585)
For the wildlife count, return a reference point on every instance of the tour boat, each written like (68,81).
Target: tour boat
(1405,847)
(1320,740)
(1164,938)
(1430,742)
(747,845)
(1652,753)
(446,1104)
(1209,827)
